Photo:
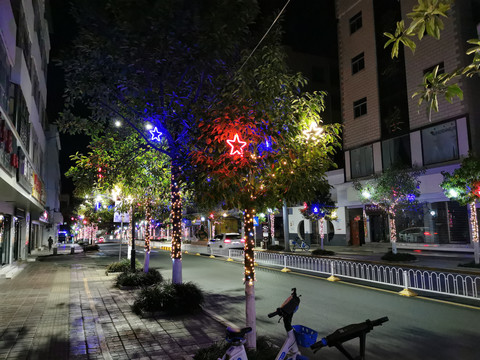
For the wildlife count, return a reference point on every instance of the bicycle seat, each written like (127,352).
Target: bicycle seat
(236,333)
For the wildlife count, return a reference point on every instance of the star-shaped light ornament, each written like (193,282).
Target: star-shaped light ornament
(236,145)
(313,132)
(155,134)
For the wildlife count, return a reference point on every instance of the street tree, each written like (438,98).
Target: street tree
(391,191)
(426,20)
(260,144)
(152,63)
(133,172)
(463,186)
(320,209)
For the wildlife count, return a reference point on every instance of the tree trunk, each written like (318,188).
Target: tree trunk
(129,232)
(393,233)
(176,214)
(132,252)
(322,231)
(249,259)
(148,234)
(285,226)
(474,225)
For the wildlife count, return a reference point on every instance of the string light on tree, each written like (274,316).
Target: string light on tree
(249,255)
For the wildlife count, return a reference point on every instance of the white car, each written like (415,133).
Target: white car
(227,241)
(417,235)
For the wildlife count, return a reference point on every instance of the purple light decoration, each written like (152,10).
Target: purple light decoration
(411,197)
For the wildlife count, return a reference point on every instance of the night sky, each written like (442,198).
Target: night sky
(304,24)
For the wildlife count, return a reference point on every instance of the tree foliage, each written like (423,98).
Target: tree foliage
(463,185)
(264,107)
(426,19)
(392,190)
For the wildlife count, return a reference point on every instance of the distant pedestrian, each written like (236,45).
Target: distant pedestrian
(50,243)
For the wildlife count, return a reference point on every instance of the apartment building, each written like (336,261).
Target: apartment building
(29,171)
(383,125)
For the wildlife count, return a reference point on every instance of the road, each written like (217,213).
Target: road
(419,328)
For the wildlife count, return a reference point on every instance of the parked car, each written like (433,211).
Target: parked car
(227,241)
(417,235)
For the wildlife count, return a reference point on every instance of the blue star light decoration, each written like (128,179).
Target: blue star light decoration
(155,134)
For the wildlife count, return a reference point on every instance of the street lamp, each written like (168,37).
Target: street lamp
(452,193)
(366,194)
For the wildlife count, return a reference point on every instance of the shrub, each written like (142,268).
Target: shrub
(91,248)
(174,299)
(139,278)
(275,247)
(322,252)
(265,350)
(390,256)
(122,266)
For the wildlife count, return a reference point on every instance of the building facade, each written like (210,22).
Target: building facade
(385,127)
(29,183)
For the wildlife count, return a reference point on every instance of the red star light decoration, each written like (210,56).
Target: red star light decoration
(237,145)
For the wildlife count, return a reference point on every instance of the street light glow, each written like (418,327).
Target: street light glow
(366,194)
(452,193)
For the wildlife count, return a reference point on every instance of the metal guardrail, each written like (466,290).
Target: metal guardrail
(438,282)
(460,285)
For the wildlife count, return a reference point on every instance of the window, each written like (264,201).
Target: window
(4,76)
(355,22)
(439,143)
(360,107)
(396,152)
(361,161)
(441,69)
(358,63)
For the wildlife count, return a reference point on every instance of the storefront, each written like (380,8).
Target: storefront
(443,222)
(5,232)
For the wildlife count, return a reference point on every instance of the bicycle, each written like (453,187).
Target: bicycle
(296,334)
(236,337)
(349,332)
(304,246)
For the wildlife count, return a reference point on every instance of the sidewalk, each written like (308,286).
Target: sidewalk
(65,307)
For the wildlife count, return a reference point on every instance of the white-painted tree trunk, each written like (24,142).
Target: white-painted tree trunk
(251,315)
(474,231)
(322,231)
(146,263)
(393,233)
(176,271)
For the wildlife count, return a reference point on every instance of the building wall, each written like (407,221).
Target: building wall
(429,52)
(366,128)
(23,197)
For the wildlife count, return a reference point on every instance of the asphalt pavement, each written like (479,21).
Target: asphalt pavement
(64,306)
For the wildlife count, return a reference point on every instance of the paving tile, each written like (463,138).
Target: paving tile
(69,309)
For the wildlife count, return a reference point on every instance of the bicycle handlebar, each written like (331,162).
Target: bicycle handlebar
(286,310)
(348,332)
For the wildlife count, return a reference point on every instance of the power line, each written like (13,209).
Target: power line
(265,35)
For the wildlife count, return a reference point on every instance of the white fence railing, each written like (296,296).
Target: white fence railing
(439,282)
(454,284)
